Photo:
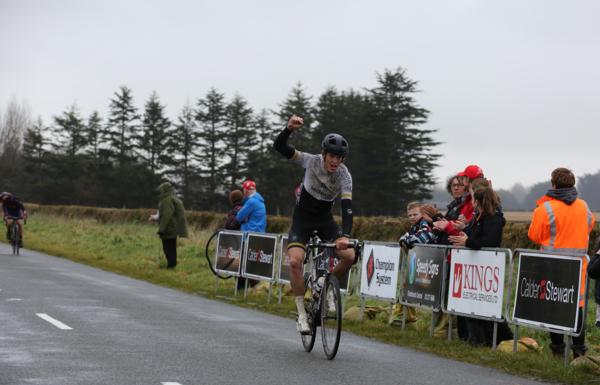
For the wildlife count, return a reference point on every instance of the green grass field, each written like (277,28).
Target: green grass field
(134,250)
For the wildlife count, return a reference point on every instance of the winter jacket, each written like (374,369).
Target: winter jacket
(171,219)
(562,222)
(253,214)
(466,209)
(559,226)
(232,222)
(486,231)
(420,232)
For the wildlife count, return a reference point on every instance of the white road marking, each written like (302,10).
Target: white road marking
(13,299)
(53,321)
(170,383)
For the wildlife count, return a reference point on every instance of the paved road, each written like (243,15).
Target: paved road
(65,323)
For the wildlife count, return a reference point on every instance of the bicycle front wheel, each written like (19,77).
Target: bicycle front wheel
(331,316)
(308,340)
(14,238)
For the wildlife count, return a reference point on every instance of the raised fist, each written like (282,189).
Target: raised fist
(295,123)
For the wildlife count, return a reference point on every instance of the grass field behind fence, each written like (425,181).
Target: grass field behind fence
(133,249)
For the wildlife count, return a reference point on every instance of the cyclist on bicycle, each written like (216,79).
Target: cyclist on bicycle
(13,211)
(325,178)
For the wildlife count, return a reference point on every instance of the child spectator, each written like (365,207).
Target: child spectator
(420,230)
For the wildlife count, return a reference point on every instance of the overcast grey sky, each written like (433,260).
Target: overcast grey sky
(513,86)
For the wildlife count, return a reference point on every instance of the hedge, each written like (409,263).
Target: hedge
(371,228)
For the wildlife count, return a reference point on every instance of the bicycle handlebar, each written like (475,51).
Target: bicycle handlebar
(351,244)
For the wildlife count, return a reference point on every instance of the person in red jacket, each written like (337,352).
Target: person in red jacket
(562,223)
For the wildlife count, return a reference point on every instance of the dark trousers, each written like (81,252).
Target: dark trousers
(170,249)
(558,344)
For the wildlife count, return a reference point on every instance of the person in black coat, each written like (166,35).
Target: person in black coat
(486,231)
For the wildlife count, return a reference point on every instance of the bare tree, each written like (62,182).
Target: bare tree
(16,119)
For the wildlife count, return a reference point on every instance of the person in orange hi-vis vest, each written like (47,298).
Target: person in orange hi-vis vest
(562,223)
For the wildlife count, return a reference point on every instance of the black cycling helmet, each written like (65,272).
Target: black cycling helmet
(335,144)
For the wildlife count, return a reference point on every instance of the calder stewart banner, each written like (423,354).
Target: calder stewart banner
(476,282)
(423,278)
(379,273)
(229,252)
(547,290)
(260,256)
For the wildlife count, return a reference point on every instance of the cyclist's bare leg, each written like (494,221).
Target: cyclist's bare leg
(8,222)
(296,258)
(344,264)
(20,223)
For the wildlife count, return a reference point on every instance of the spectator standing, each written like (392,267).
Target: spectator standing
(253,217)
(171,222)
(253,214)
(459,215)
(597,286)
(562,223)
(235,199)
(486,231)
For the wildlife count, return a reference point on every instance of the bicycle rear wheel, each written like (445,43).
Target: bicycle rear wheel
(331,316)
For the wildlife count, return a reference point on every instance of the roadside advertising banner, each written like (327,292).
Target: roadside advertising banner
(284,261)
(229,252)
(547,290)
(379,273)
(259,261)
(476,282)
(424,276)
(327,264)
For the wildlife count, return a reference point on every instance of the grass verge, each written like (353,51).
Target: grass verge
(134,250)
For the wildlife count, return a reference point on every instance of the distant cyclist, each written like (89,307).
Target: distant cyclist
(13,210)
(325,178)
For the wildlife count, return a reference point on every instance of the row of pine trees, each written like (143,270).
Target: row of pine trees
(215,143)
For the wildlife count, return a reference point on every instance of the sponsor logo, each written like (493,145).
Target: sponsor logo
(412,267)
(546,290)
(384,278)
(370,268)
(259,256)
(457,283)
(228,252)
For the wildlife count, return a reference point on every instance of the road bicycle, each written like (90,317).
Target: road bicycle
(324,305)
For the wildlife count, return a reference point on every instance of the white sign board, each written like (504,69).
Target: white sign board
(379,273)
(476,282)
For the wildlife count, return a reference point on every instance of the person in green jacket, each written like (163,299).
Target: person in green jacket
(171,222)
